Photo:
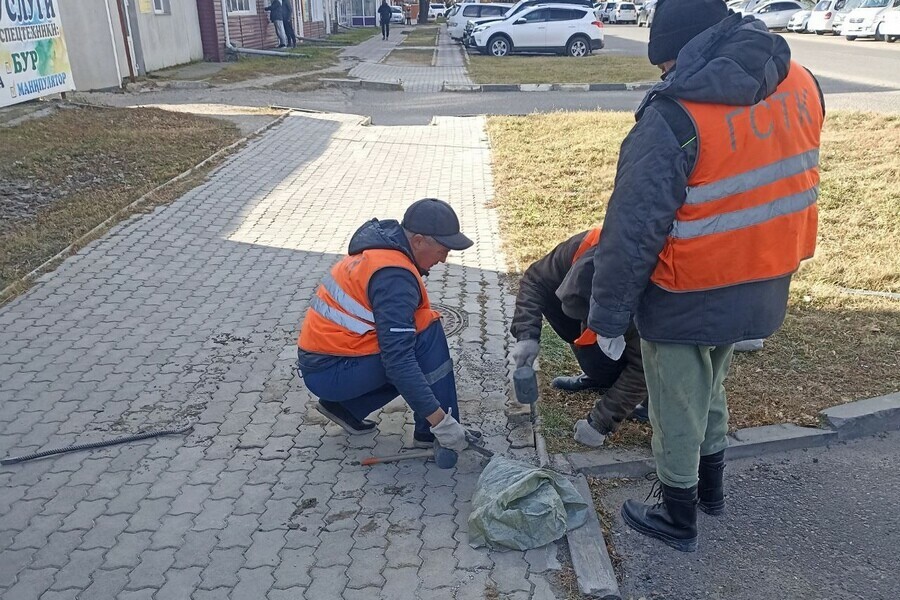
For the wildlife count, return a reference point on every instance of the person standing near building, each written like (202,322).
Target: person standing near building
(713,211)
(384,14)
(287,13)
(276,11)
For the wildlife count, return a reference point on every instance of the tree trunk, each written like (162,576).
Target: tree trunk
(423,11)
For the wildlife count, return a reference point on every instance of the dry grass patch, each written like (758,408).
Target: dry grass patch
(252,67)
(420,58)
(553,176)
(71,171)
(597,68)
(421,36)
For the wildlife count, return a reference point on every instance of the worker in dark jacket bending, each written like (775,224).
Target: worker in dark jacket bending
(370,333)
(714,209)
(558,288)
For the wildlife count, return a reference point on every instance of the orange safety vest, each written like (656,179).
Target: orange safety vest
(340,321)
(587,337)
(750,213)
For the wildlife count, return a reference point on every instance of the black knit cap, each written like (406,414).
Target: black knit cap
(436,218)
(676,22)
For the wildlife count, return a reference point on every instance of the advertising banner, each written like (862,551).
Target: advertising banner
(33,57)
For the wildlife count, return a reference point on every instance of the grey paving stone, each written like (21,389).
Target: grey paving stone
(151,569)
(293,567)
(55,553)
(128,550)
(265,548)
(31,584)
(180,583)
(327,584)
(106,585)
(77,571)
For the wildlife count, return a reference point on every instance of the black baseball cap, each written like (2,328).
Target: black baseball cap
(435,218)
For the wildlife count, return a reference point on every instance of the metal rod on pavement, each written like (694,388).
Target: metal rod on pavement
(377,460)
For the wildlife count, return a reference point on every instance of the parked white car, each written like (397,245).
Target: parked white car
(799,22)
(557,28)
(397,15)
(823,15)
(436,10)
(747,6)
(456,22)
(624,12)
(776,14)
(891,26)
(837,24)
(866,20)
(646,14)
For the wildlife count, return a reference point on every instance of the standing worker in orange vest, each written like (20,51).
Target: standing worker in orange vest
(558,287)
(370,333)
(714,209)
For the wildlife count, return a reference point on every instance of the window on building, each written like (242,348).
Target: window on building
(161,7)
(241,7)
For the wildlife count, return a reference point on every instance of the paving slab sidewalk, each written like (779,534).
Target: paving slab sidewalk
(449,65)
(193,311)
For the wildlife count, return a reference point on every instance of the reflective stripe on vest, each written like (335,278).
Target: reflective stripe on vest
(750,212)
(340,321)
(587,337)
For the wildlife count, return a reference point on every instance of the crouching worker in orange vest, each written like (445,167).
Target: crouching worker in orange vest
(558,288)
(370,333)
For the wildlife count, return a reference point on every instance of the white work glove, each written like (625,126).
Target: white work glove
(587,435)
(525,352)
(612,347)
(450,434)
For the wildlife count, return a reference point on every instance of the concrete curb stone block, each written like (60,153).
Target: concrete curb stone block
(607,87)
(500,87)
(382,86)
(460,87)
(864,417)
(536,87)
(572,87)
(754,441)
(593,568)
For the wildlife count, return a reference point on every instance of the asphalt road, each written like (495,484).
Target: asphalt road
(864,62)
(805,525)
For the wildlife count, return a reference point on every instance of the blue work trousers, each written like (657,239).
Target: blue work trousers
(361,385)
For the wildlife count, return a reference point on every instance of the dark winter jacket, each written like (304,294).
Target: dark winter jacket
(385,12)
(287,11)
(555,289)
(275,10)
(738,63)
(394,296)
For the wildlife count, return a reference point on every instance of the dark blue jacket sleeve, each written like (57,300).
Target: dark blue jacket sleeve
(394,294)
(651,179)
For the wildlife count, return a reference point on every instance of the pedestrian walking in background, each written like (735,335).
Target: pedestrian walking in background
(385,13)
(276,11)
(714,209)
(287,12)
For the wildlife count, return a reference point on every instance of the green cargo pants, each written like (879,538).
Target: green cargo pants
(688,410)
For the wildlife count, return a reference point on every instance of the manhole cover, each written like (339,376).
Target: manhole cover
(453,320)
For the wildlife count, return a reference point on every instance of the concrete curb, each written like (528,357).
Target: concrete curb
(593,568)
(547,87)
(843,422)
(384,86)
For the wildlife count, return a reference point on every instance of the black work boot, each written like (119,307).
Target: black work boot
(672,520)
(578,383)
(711,489)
